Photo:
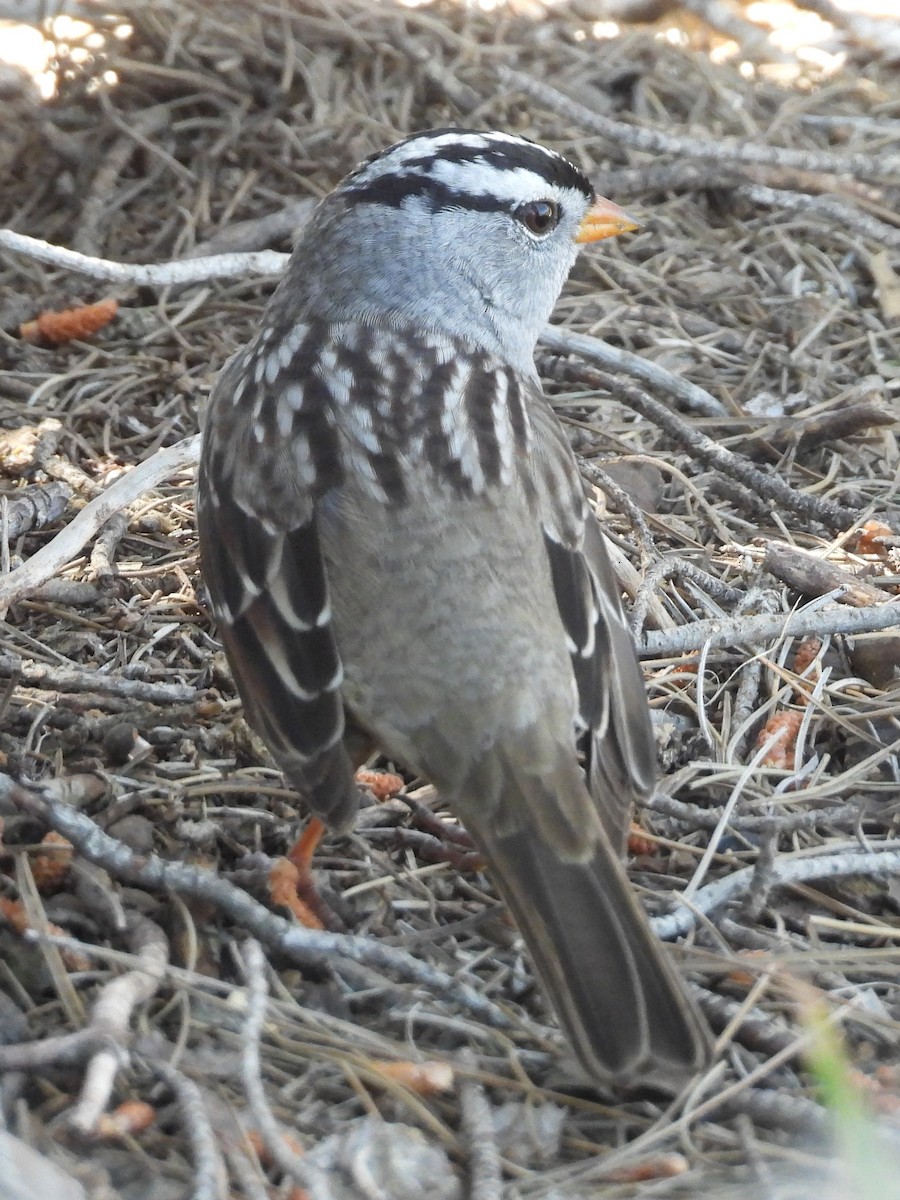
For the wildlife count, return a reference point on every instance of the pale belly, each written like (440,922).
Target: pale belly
(445,621)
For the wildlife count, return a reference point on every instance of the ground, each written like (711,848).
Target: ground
(749,482)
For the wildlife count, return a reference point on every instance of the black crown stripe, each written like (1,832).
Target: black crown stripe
(413,178)
(392,190)
(506,156)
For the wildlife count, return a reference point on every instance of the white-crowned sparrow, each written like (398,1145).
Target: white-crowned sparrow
(398,548)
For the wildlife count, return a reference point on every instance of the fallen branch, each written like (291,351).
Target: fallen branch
(75,679)
(210,1176)
(69,542)
(655,141)
(882,861)
(698,816)
(35,506)
(178,272)
(760,484)
(251,1069)
(476,1119)
(744,631)
(565,341)
(299,945)
(844,216)
(112,1015)
(676,567)
(813,576)
(61,1050)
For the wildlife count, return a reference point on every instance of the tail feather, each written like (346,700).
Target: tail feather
(614,990)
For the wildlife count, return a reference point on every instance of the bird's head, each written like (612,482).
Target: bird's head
(473,233)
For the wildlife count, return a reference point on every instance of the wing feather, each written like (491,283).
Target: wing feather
(265,574)
(614,724)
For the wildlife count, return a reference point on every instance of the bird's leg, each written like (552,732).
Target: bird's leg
(291,881)
(305,846)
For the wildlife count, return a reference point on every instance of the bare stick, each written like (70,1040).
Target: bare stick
(597,476)
(103,555)
(759,483)
(883,861)
(59,1050)
(655,141)
(744,631)
(210,1176)
(251,1069)
(35,506)
(78,679)
(565,341)
(814,576)
(70,541)
(177,272)
(679,568)
(300,945)
(845,216)
(696,816)
(485,1174)
(112,1014)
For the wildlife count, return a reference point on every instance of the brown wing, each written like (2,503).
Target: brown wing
(268,456)
(615,733)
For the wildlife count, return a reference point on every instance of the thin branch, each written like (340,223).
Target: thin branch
(103,555)
(35,506)
(69,542)
(177,272)
(867,863)
(112,1014)
(760,484)
(624,503)
(655,141)
(760,630)
(60,1050)
(210,1175)
(562,340)
(811,575)
(679,568)
(845,216)
(301,946)
(485,1174)
(251,1068)
(77,679)
(698,816)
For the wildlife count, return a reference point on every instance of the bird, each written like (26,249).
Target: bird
(399,551)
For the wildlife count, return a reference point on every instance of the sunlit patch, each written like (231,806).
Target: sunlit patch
(674,36)
(790,28)
(57,46)
(803,44)
(27,48)
(723,52)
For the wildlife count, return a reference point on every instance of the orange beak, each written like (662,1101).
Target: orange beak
(602,220)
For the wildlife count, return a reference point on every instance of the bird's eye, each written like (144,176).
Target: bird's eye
(539,216)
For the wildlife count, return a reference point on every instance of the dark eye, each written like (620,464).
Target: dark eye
(539,216)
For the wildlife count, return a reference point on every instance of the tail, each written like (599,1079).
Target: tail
(615,991)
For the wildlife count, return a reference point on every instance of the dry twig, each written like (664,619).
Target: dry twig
(112,1014)
(870,863)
